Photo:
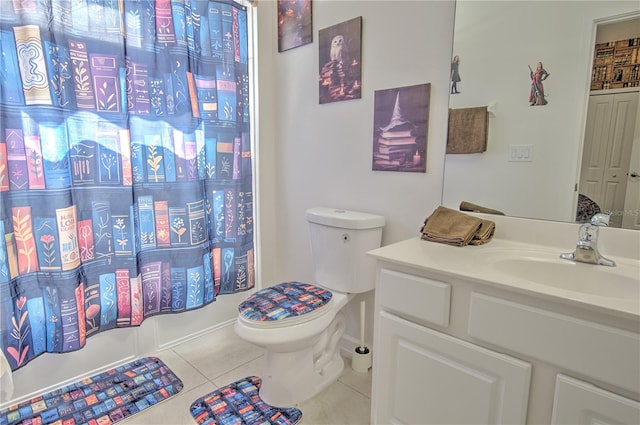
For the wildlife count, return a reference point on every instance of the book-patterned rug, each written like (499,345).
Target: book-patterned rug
(239,403)
(102,399)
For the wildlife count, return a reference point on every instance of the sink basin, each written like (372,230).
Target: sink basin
(622,281)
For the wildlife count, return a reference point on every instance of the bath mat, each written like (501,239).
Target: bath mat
(239,403)
(102,399)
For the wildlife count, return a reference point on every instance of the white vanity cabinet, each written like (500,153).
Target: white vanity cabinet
(454,348)
(424,376)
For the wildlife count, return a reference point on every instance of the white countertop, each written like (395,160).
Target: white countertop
(479,264)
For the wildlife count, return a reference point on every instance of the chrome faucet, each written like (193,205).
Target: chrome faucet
(587,246)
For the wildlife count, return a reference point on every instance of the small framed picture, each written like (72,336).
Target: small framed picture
(294,24)
(340,50)
(400,121)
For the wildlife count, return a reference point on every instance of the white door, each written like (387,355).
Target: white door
(609,135)
(631,217)
(595,148)
(580,403)
(427,377)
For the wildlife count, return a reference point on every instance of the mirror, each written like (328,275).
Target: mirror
(531,166)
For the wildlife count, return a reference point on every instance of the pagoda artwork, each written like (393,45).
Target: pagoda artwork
(400,129)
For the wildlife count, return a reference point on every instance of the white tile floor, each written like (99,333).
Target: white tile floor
(221,357)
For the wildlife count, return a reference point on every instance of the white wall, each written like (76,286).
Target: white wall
(629,28)
(320,155)
(495,41)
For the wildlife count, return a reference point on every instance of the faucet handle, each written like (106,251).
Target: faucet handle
(600,219)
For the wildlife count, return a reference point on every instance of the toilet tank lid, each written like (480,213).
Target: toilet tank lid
(344,218)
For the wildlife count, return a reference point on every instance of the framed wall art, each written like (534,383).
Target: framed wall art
(294,24)
(400,123)
(340,52)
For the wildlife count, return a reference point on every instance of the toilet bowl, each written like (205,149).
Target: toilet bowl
(300,325)
(302,353)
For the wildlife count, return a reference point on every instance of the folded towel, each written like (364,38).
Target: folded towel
(451,227)
(484,233)
(468,206)
(468,130)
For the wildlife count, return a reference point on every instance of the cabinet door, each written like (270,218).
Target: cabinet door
(577,402)
(426,377)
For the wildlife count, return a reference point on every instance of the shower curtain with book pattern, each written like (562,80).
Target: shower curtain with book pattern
(125,165)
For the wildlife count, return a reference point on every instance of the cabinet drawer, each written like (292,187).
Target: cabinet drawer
(580,402)
(594,350)
(414,297)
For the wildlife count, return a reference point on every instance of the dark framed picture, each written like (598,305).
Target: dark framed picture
(400,126)
(294,24)
(340,50)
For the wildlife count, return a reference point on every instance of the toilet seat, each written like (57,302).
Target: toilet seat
(285,304)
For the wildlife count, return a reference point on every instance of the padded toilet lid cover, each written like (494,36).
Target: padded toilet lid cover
(284,300)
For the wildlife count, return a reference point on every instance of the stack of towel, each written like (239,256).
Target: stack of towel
(452,227)
(468,206)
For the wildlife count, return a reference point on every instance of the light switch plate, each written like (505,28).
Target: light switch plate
(520,153)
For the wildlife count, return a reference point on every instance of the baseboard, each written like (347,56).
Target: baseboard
(194,335)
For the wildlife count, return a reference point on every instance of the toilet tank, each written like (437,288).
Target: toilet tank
(339,242)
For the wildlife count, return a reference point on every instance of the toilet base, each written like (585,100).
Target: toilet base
(298,364)
(290,379)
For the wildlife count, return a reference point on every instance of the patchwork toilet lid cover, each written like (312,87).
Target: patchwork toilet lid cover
(284,300)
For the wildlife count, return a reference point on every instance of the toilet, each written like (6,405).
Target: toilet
(300,324)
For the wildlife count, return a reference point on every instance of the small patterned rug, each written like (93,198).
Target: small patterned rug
(239,403)
(102,399)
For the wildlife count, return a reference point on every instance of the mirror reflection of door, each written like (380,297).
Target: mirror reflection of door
(632,198)
(612,144)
